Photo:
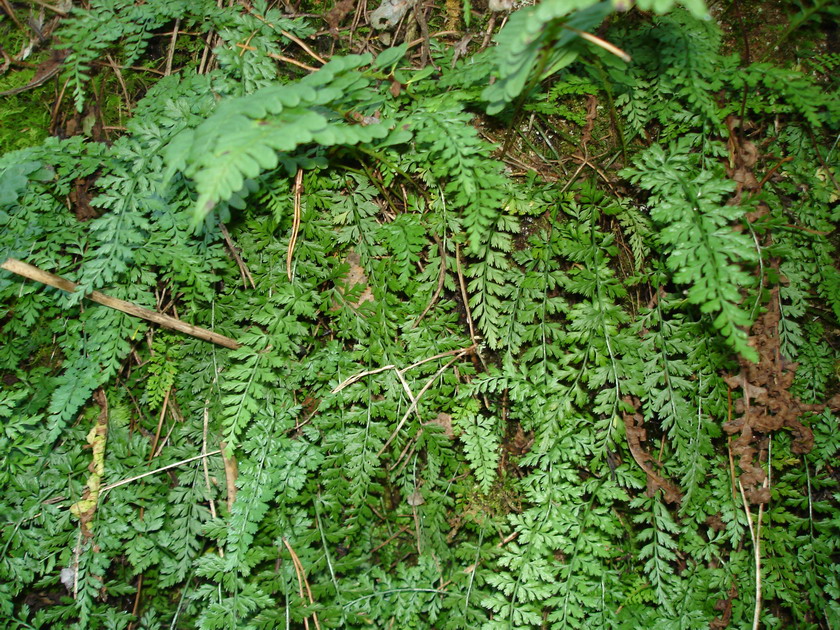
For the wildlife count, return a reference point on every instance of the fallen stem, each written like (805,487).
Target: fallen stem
(158,470)
(32,272)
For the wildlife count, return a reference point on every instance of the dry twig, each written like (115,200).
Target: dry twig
(302,582)
(295,222)
(243,268)
(39,275)
(158,470)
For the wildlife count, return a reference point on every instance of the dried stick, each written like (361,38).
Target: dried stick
(7,8)
(464,295)
(204,63)
(488,33)
(136,606)
(164,441)
(243,268)
(466,299)
(39,275)
(441,279)
(159,470)
(171,53)
(413,405)
(302,581)
(421,40)
(204,461)
(298,573)
(407,390)
(300,43)
(458,351)
(611,48)
(160,423)
(231,474)
(382,544)
(295,223)
(755,533)
(121,81)
(292,37)
(294,62)
(360,376)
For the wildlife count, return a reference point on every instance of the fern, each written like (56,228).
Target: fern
(112,22)
(472,386)
(480,445)
(534,42)
(244,136)
(703,250)
(458,160)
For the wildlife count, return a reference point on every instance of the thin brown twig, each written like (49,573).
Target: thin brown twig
(7,7)
(357,377)
(775,168)
(50,7)
(206,55)
(464,295)
(585,162)
(303,45)
(204,461)
(426,50)
(441,280)
(170,55)
(165,440)
(45,277)
(231,474)
(302,581)
(202,66)
(294,62)
(361,10)
(572,179)
(407,389)
(57,106)
(507,539)
(298,573)
(247,44)
(122,67)
(121,81)
(389,539)
(243,268)
(488,33)
(440,355)
(160,423)
(420,40)
(612,48)
(414,404)
(136,608)
(292,37)
(755,533)
(349,381)
(295,222)
(111,486)
(406,453)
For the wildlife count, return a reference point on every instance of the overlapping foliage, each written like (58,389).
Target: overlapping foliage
(465,395)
